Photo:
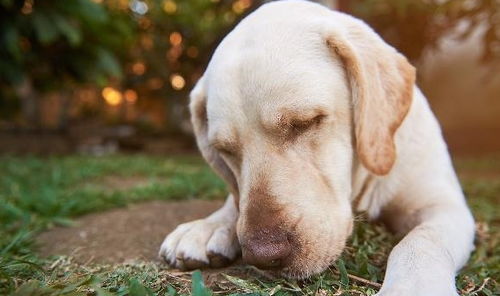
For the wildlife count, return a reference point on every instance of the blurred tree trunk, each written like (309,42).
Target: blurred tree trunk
(30,105)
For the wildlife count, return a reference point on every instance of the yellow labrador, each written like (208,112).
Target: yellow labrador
(308,114)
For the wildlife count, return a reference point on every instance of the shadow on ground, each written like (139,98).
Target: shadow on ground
(120,235)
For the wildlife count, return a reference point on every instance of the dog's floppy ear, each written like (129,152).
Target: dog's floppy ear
(198,109)
(381,82)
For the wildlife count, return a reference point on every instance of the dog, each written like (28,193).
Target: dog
(309,116)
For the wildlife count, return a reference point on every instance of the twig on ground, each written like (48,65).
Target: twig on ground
(364,281)
(55,263)
(262,273)
(482,286)
(89,260)
(361,280)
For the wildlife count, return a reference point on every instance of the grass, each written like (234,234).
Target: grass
(37,193)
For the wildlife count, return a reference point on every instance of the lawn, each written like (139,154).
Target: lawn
(39,193)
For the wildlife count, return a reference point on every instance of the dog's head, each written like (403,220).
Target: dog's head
(292,97)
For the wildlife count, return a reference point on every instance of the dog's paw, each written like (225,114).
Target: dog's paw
(399,289)
(199,244)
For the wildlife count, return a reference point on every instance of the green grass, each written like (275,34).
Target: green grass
(37,193)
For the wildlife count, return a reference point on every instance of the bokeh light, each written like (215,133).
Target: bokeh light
(112,96)
(175,38)
(27,7)
(138,68)
(169,6)
(241,5)
(139,7)
(130,96)
(178,82)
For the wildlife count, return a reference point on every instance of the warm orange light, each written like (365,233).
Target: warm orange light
(169,6)
(130,96)
(123,4)
(177,81)
(138,68)
(175,38)
(241,5)
(27,7)
(112,96)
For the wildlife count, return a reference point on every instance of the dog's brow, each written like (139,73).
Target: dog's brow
(224,142)
(287,117)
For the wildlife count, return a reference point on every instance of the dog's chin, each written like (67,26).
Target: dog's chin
(302,269)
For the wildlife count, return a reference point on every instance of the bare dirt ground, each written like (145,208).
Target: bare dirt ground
(116,236)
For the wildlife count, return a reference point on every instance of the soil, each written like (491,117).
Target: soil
(132,233)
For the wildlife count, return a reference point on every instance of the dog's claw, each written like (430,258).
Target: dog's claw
(191,264)
(218,260)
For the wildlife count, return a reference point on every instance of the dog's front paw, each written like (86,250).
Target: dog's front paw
(201,243)
(423,289)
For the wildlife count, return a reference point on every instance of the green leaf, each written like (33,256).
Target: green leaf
(247,285)
(171,291)
(108,63)
(11,71)
(92,11)
(102,292)
(11,39)
(45,30)
(18,239)
(198,287)
(33,288)
(72,287)
(137,289)
(69,30)
(344,278)
(16,263)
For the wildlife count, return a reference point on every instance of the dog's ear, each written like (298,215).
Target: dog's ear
(198,109)
(381,82)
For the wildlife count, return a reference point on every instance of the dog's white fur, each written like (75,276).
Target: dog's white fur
(292,59)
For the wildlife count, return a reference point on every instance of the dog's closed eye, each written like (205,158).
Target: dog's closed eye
(293,127)
(225,148)
(300,126)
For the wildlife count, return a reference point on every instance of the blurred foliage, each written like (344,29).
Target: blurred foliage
(53,43)
(151,52)
(414,26)
(153,48)
(175,42)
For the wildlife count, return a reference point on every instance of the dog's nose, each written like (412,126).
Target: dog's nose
(266,253)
